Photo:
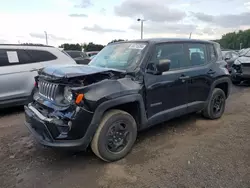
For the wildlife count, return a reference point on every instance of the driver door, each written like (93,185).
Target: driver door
(167,93)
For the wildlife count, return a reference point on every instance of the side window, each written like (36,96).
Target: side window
(8,57)
(171,51)
(24,57)
(40,55)
(197,54)
(211,53)
(3,58)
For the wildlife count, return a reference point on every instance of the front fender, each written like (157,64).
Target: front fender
(119,101)
(102,108)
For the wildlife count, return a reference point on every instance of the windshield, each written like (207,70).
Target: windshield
(123,56)
(75,54)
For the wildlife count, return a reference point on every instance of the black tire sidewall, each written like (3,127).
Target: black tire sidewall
(217,92)
(102,148)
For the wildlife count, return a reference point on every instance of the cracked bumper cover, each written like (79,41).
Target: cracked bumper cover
(49,133)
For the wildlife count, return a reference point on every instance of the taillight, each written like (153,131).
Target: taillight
(227,67)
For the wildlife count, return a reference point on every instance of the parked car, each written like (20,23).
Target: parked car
(18,67)
(230,56)
(129,86)
(241,67)
(92,53)
(79,56)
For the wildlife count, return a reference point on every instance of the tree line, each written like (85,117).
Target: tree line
(86,47)
(232,40)
(235,40)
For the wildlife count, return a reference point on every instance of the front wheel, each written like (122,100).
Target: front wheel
(115,136)
(216,104)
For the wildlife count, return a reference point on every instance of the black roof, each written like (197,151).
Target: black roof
(159,40)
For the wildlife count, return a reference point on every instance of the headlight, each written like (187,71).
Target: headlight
(68,94)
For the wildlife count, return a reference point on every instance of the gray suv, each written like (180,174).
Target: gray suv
(18,67)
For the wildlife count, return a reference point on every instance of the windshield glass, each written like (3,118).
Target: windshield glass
(123,56)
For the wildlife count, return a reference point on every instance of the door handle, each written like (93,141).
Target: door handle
(184,77)
(211,71)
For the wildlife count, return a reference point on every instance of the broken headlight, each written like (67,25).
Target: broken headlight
(68,94)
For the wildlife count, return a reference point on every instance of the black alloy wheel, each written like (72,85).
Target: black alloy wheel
(117,136)
(215,106)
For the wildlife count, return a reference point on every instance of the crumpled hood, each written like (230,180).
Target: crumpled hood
(69,71)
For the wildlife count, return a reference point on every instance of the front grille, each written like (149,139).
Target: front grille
(48,90)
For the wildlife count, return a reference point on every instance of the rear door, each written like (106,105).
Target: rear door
(200,73)
(16,75)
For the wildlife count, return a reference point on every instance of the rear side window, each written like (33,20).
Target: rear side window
(173,52)
(211,53)
(40,55)
(24,57)
(197,54)
(10,57)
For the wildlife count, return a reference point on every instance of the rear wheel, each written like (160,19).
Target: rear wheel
(115,136)
(216,105)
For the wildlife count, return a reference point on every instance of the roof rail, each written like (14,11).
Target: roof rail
(29,44)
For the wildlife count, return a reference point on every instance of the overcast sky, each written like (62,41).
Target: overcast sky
(101,21)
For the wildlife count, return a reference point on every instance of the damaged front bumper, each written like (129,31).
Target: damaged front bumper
(76,131)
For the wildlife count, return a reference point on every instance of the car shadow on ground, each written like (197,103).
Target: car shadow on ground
(11,111)
(71,157)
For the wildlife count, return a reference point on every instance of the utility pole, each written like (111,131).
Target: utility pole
(190,35)
(141,20)
(46,37)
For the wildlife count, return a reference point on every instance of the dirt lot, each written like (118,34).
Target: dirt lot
(186,152)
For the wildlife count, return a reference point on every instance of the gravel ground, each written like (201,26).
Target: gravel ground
(185,152)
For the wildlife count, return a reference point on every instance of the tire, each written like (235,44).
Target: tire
(111,119)
(209,110)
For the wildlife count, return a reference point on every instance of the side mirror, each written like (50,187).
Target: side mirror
(163,65)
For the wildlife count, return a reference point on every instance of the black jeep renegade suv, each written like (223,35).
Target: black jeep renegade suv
(127,87)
